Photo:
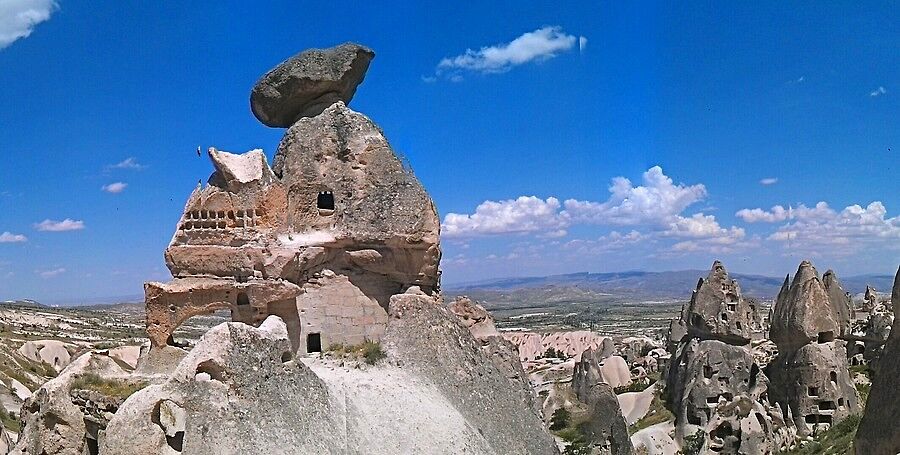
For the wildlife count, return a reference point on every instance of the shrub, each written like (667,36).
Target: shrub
(693,444)
(369,351)
(560,420)
(110,387)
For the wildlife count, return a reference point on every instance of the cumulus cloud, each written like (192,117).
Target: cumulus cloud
(51,273)
(9,237)
(878,91)
(541,44)
(522,215)
(114,188)
(19,17)
(657,201)
(852,228)
(67,224)
(768,181)
(778,213)
(657,204)
(128,163)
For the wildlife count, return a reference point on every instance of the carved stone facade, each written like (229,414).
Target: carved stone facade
(323,240)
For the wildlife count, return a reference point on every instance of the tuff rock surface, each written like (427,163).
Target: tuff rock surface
(713,381)
(307,83)
(717,310)
(883,406)
(605,428)
(331,232)
(809,377)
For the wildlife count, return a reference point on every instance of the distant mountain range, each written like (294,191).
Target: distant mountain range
(674,284)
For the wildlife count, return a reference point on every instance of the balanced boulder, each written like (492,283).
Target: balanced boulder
(307,83)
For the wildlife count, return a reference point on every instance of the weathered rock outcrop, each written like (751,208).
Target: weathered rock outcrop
(717,311)
(810,376)
(877,433)
(719,388)
(436,379)
(61,419)
(307,83)
(713,382)
(839,300)
(605,428)
(474,317)
(570,344)
(331,232)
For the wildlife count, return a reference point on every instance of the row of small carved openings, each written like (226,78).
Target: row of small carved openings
(216,220)
(221,214)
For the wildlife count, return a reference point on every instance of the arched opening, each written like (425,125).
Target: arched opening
(242,299)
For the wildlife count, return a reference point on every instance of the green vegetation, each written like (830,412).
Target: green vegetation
(552,353)
(560,419)
(368,351)
(110,387)
(637,386)
(693,444)
(863,390)
(11,421)
(837,440)
(656,414)
(567,426)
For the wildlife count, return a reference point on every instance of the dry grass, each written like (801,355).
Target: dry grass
(110,387)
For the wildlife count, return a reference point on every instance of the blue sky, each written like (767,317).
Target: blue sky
(524,135)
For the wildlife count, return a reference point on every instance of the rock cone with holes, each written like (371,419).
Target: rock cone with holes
(324,239)
(810,377)
(713,383)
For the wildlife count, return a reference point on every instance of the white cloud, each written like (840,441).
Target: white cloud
(657,201)
(541,44)
(51,273)
(19,17)
(9,237)
(67,224)
(128,163)
(114,188)
(582,43)
(841,233)
(522,215)
(878,91)
(801,79)
(779,213)
(768,181)
(657,204)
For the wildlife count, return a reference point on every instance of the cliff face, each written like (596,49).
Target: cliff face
(876,433)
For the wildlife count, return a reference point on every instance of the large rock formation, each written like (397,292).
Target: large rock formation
(810,376)
(877,433)
(240,390)
(63,417)
(307,83)
(839,299)
(605,428)
(717,311)
(720,388)
(713,382)
(324,240)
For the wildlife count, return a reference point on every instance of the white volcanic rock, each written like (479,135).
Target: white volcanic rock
(436,379)
(474,317)
(51,352)
(533,345)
